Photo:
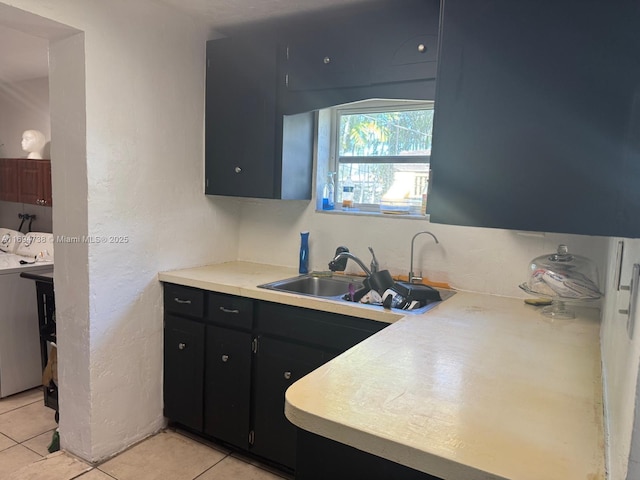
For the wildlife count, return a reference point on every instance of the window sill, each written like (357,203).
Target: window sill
(369,213)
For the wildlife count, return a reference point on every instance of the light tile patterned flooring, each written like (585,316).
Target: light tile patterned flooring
(26,427)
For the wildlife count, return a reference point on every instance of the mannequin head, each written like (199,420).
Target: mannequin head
(33,142)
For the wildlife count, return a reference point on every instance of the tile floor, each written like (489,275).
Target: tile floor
(26,427)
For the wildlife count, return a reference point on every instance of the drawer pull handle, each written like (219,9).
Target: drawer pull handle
(178,300)
(182,346)
(422,48)
(225,358)
(287,375)
(228,310)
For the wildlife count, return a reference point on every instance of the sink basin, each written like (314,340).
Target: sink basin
(316,286)
(337,288)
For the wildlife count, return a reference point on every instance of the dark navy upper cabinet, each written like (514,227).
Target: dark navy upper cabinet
(537,116)
(265,80)
(379,49)
(251,149)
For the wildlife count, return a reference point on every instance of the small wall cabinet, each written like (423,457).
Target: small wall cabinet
(228,361)
(25,181)
(251,150)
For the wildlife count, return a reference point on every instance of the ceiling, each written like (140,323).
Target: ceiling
(24,56)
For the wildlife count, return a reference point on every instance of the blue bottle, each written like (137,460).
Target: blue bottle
(304,253)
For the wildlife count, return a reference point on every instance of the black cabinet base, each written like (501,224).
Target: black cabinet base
(320,458)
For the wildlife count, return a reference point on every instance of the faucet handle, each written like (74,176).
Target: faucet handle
(375,266)
(339,265)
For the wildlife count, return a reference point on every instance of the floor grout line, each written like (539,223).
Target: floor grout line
(225,452)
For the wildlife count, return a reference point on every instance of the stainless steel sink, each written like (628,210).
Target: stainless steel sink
(337,288)
(316,286)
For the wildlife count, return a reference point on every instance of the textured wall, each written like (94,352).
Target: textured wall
(127,115)
(476,259)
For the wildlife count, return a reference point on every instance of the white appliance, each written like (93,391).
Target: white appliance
(20,363)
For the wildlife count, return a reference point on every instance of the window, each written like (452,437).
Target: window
(382,149)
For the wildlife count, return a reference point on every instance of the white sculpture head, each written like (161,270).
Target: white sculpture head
(33,141)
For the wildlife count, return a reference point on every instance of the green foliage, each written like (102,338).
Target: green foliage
(380,134)
(386,133)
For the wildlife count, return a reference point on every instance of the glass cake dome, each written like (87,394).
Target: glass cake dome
(565,278)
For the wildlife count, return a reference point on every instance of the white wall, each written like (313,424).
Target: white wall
(23,106)
(133,168)
(477,259)
(620,361)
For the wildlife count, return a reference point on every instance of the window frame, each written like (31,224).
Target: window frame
(363,107)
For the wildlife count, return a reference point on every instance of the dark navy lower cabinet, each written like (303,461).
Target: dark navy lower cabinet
(229,360)
(320,458)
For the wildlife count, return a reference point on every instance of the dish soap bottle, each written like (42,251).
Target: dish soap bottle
(304,253)
(328,193)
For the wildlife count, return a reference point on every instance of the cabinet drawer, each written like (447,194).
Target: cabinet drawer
(183,300)
(324,329)
(230,310)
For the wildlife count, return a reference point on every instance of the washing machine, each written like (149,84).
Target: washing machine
(20,364)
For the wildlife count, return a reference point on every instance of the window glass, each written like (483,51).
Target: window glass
(383,152)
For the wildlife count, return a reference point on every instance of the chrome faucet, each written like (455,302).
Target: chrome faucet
(334,266)
(375,266)
(413,279)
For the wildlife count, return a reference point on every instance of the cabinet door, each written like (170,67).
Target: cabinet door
(9,179)
(328,55)
(240,118)
(228,385)
(47,197)
(278,365)
(404,41)
(30,181)
(183,371)
(531,127)
(34,182)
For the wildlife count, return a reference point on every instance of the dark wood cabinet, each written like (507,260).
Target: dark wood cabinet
(228,385)
(228,368)
(279,364)
(183,371)
(536,117)
(184,355)
(293,341)
(230,359)
(26,181)
(251,150)
(9,191)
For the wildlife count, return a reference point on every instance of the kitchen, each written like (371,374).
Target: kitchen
(118,173)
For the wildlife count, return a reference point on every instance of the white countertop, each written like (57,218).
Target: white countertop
(243,278)
(10,263)
(481,387)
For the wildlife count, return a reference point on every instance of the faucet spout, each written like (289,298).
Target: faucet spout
(333,264)
(412,278)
